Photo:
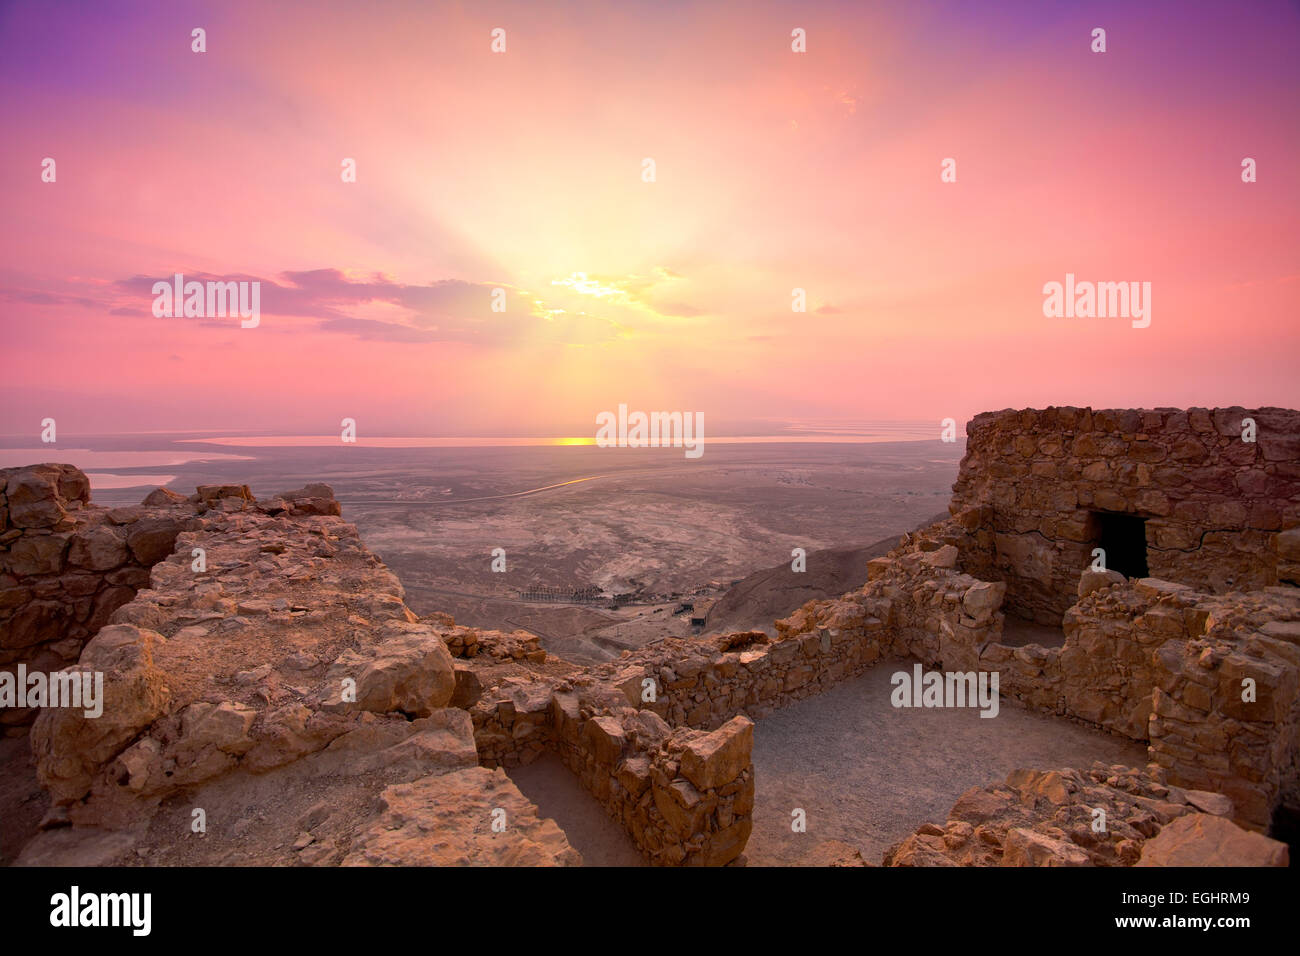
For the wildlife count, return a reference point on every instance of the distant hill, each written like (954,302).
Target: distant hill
(763,597)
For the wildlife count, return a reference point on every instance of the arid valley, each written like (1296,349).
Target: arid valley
(646,524)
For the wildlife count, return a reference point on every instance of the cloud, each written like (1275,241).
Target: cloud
(377,331)
(444,310)
(377,307)
(31,297)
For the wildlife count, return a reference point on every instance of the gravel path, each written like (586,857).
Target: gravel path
(869,774)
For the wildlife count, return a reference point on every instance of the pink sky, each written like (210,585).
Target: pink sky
(522,170)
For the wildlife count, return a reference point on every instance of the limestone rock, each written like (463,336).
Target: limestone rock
(35,554)
(468,686)
(944,557)
(36,495)
(442,742)
(719,757)
(834,853)
(212,495)
(163,498)
(1028,848)
(98,549)
(1215,804)
(152,539)
(71,748)
(411,672)
(1201,839)
(918,850)
(317,499)
(447,820)
(606,738)
(1091,580)
(983,599)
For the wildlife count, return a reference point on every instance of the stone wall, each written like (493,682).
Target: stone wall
(66,566)
(704,684)
(1225,709)
(1148,659)
(1215,506)
(514,725)
(684,796)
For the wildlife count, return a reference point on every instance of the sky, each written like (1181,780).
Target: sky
(523,171)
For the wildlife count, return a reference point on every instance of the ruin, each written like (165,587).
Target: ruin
(1179,495)
(1188,642)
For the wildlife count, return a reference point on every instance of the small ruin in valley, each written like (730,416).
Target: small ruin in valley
(288,692)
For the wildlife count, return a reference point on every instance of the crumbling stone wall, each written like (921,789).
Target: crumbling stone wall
(1225,710)
(240,665)
(1220,512)
(686,797)
(66,566)
(514,725)
(704,684)
(1148,659)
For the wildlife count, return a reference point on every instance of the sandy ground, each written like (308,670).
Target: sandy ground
(869,774)
(592,832)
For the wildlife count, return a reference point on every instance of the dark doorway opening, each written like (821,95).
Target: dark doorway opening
(1124,539)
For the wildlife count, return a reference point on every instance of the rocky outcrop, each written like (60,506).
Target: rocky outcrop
(1199,839)
(71,747)
(471,642)
(287,637)
(1107,816)
(473,817)
(284,647)
(287,653)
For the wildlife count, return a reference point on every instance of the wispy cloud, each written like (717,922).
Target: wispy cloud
(439,311)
